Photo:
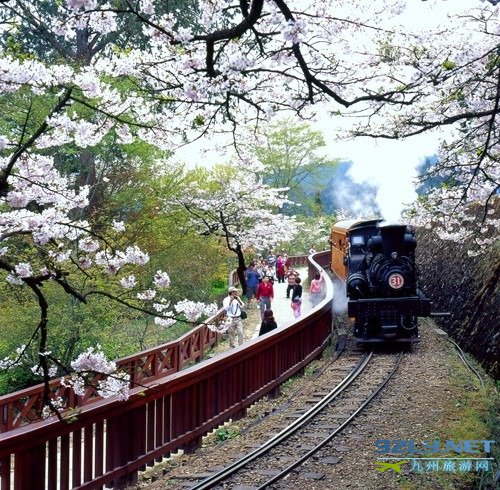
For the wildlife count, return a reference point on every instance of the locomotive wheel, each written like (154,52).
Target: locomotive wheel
(409,325)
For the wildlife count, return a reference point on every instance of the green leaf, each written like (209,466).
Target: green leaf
(448,64)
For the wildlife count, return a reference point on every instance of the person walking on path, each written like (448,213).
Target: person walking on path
(316,289)
(252,277)
(271,259)
(232,304)
(280,268)
(268,323)
(290,276)
(297,298)
(264,295)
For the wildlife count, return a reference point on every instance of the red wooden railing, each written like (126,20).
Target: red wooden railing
(22,407)
(108,441)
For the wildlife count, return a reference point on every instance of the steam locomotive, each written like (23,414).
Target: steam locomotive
(377,264)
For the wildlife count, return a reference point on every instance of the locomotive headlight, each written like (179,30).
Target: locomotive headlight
(396,281)
(394,255)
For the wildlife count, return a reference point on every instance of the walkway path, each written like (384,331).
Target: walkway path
(281,308)
(283,312)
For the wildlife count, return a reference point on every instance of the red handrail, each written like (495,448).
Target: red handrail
(24,406)
(108,441)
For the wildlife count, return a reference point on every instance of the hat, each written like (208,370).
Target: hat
(232,289)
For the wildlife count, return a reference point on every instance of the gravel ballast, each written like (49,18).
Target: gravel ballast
(426,400)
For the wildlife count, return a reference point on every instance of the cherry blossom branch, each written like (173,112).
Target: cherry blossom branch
(4,174)
(116,117)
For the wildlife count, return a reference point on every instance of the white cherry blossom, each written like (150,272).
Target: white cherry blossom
(161,279)
(128,282)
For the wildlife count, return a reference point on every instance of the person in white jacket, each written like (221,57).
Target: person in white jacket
(233,305)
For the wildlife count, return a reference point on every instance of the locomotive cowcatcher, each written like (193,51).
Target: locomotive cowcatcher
(377,263)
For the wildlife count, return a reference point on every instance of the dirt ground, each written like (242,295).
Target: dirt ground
(433,397)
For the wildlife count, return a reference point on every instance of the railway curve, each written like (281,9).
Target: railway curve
(333,410)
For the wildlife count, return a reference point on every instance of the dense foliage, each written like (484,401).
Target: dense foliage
(236,207)
(292,157)
(95,96)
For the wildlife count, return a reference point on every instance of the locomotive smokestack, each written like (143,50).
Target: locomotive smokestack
(393,240)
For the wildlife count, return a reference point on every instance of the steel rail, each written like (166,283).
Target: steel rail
(317,373)
(341,427)
(288,431)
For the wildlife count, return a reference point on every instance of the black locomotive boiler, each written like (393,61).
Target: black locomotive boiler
(377,263)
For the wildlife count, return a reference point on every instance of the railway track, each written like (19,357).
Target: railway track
(301,446)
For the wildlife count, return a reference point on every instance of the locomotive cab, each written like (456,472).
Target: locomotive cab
(358,262)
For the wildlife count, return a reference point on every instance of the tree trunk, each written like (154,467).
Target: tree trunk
(241,269)
(88,177)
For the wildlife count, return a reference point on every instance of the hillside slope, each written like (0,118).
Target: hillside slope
(468,288)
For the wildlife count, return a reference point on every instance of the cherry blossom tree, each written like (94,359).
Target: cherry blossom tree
(28,34)
(235,205)
(42,241)
(244,62)
(238,63)
(312,230)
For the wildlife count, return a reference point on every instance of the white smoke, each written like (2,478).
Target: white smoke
(391,166)
(339,304)
(388,165)
(356,200)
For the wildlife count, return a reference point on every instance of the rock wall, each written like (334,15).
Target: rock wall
(468,288)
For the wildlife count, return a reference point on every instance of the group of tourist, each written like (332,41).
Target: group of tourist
(260,277)
(273,266)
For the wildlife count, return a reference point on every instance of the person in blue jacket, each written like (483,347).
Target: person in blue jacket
(252,278)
